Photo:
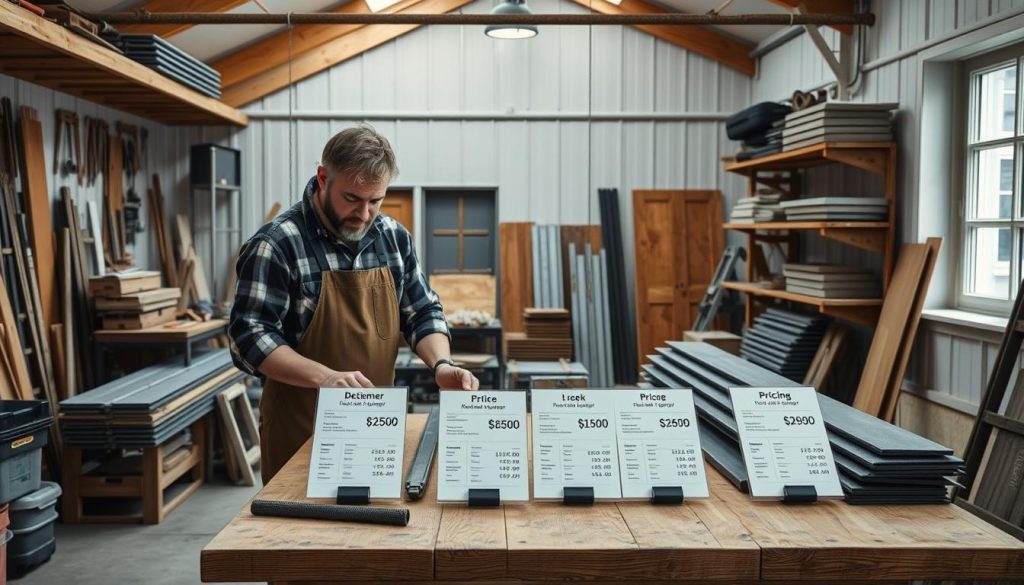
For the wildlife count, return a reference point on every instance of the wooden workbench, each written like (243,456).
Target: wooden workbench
(727,537)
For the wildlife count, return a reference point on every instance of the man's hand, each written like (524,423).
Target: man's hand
(345,380)
(454,378)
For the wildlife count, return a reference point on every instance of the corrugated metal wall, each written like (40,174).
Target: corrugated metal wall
(951,362)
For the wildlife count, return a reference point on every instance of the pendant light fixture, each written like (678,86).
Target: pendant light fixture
(511,31)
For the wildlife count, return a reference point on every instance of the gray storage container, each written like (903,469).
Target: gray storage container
(32,519)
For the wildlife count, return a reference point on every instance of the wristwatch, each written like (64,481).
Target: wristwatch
(440,362)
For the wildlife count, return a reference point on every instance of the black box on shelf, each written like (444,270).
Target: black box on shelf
(220,164)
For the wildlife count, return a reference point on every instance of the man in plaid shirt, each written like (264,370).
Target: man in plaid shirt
(325,289)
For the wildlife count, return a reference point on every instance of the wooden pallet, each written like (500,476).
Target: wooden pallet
(162,466)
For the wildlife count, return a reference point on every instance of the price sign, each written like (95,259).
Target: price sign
(482,445)
(358,440)
(574,442)
(784,441)
(658,442)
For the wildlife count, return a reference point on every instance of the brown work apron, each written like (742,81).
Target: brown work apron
(354,328)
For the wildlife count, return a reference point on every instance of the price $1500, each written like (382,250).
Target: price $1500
(593,423)
(798,420)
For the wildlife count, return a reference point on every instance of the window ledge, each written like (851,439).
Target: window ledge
(966,319)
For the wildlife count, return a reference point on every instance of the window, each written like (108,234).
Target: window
(992,231)
(462,227)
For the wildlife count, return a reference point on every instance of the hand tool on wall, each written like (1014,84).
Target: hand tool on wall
(67,125)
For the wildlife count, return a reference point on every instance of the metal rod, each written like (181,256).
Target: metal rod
(678,19)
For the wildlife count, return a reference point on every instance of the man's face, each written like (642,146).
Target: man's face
(350,206)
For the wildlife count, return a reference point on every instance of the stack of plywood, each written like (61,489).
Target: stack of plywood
(838,122)
(837,209)
(831,282)
(547,323)
(133,300)
(548,336)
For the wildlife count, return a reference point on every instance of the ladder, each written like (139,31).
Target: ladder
(712,300)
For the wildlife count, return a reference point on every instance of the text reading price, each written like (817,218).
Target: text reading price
(593,423)
(674,423)
(502,424)
(798,420)
(382,421)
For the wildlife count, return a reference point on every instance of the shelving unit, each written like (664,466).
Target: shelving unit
(781,171)
(42,52)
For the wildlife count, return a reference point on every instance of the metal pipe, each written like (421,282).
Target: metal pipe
(194,18)
(569,116)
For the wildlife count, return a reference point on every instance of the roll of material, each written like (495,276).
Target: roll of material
(368,515)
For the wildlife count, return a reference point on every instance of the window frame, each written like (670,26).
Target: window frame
(964,173)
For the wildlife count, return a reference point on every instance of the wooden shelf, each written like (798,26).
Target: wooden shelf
(42,52)
(866,235)
(863,311)
(868,156)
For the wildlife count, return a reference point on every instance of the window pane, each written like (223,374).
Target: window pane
(989,199)
(997,103)
(988,274)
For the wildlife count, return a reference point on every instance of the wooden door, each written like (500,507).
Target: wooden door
(398,204)
(679,241)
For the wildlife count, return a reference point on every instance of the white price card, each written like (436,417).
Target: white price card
(358,440)
(784,441)
(658,442)
(574,443)
(482,445)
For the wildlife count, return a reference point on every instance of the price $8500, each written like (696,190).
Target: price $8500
(503,424)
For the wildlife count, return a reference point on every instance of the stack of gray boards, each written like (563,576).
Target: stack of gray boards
(838,122)
(784,342)
(763,207)
(147,407)
(825,281)
(836,209)
(161,56)
(623,339)
(547,267)
(878,463)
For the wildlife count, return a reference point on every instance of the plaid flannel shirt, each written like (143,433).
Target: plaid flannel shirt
(279,281)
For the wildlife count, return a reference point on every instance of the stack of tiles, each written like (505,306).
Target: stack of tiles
(133,300)
(763,207)
(784,342)
(878,463)
(837,209)
(826,281)
(838,122)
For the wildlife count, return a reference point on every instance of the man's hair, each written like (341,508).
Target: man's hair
(362,151)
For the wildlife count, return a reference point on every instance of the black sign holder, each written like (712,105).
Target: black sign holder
(484,498)
(353,494)
(578,496)
(667,494)
(799,494)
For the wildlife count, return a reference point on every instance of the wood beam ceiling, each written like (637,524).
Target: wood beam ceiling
(262,69)
(823,7)
(702,41)
(166,30)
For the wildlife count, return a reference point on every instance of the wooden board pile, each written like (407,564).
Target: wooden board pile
(548,336)
(784,342)
(133,300)
(826,281)
(878,463)
(149,406)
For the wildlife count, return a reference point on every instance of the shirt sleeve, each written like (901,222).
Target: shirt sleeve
(262,298)
(421,310)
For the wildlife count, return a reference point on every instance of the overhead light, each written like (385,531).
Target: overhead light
(615,2)
(376,6)
(511,31)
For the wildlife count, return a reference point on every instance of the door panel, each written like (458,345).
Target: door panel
(398,204)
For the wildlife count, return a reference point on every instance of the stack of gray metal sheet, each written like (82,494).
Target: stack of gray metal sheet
(591,321)
(162,56)
(827,281)
(878,463)
(836,209)
(784,342)
(140,409)
(838,122)
(547,267)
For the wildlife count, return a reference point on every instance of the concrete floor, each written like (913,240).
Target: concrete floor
(164,554)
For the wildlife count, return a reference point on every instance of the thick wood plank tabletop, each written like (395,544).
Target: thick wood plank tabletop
(726,537)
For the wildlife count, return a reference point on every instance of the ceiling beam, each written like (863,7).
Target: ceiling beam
(273,51)
(702,41)
(823,7)
(265,70)
(166,30)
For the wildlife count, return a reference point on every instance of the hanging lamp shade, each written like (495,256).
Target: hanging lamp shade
(511,31)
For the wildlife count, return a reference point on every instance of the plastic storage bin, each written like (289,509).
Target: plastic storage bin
(24,426)
(32,518)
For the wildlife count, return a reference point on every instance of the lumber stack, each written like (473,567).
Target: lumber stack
(763,207)
(784,342)
(878,463)
(837,209)
(827,281)
(149,406)
(548,336)
(133,300)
